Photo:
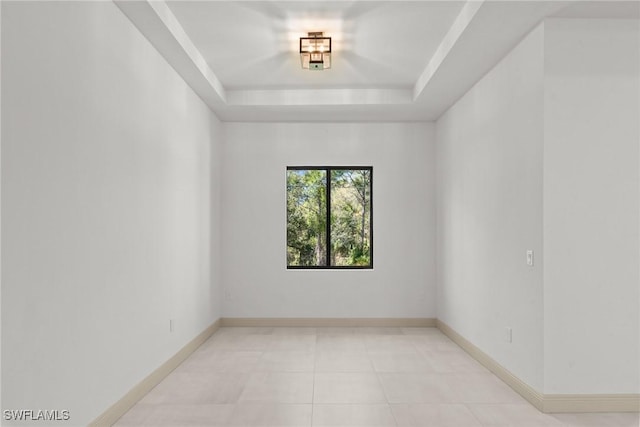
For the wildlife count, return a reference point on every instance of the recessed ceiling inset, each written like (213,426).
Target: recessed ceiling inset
(399,60)
(315,51)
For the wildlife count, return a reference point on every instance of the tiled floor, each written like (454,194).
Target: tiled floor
(341,377)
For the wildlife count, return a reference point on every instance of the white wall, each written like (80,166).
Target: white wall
(490,211)
(591,279)
(402,282)
(214,294)
(543,154)
(106,198)
(0,209)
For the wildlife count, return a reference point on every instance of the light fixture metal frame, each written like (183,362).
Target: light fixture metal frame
(315,51)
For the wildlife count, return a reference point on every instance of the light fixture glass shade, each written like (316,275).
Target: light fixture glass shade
(315,52)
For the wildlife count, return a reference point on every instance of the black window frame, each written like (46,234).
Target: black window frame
(328,170)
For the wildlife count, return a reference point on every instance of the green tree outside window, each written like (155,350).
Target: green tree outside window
(329,217)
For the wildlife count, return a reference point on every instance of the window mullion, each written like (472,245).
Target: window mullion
(328,239)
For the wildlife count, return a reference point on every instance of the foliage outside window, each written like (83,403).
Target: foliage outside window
(329,217)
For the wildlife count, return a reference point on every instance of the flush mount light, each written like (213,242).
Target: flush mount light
(315,51)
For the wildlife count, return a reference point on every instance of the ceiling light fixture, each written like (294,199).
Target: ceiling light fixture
(315,51)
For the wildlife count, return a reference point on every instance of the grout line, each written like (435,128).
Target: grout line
(384,393)
(473,414)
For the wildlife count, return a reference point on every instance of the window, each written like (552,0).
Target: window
(329,217)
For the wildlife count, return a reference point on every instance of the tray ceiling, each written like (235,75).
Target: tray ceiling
(391,60)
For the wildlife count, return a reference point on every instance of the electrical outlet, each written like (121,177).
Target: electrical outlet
(172,324)
(508,335)
(530,258)
(227,294)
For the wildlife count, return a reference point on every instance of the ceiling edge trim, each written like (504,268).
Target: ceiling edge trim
(299,97)
(174,27)
(461,23)
(159,25)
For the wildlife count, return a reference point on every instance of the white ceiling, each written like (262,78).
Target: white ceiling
(376,44)
(391,61)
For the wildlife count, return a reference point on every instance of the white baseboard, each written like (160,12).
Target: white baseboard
(526,391)
(592,403)
(328,322)
(549,403)
(118,409)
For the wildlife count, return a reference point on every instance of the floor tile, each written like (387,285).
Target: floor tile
(250,376)
(293,342)
(278,387)
(389,344)
(286,361)
(177,415)
(448,346)
(417,388)
(353,415)
(453,362)
(400,362)
(351,342)
(220,361)
(280,415)
(436,343)
(238,342)
(434,415)
(136,416)
(340,361)
(507,415)
(198,388)
(347,388)
(482,388)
